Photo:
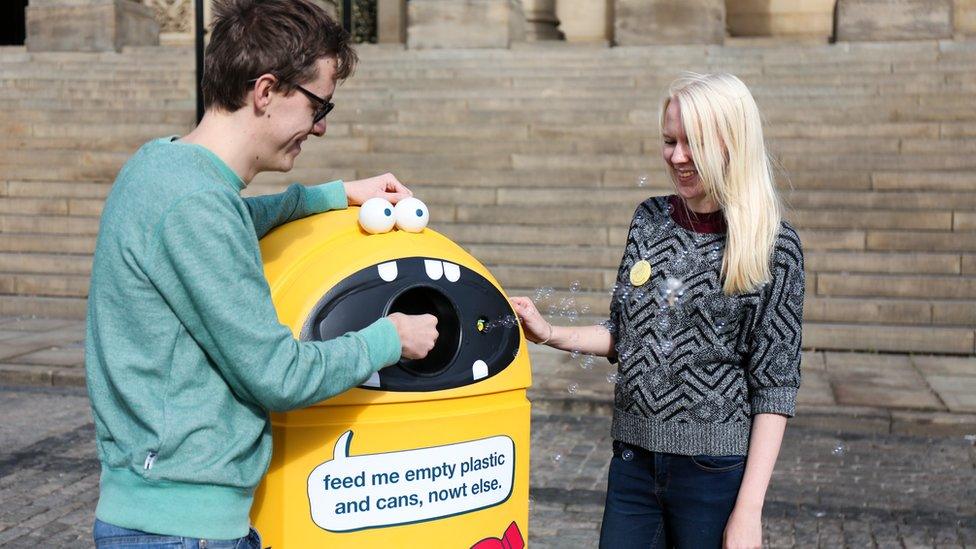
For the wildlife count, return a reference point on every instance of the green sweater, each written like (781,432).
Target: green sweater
(184,353)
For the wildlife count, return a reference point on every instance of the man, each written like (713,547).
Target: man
(184,353)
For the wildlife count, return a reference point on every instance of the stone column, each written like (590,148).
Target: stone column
(586,20)
(643,22)
(464,23)
(881,20)
(540,20)
(89,25)
(964,18)
(391,21)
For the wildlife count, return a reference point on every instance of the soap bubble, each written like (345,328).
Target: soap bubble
(840,449)
(587,362)
(713,253)
(642,180)
(584,309)
(720,323)
(627,454)
(575,286)
(572,388)
(574,354)
(543,293)
(557,458)
(667,346)
(663,323)
(820,514)
(612,377)
(970,439)
(672,290)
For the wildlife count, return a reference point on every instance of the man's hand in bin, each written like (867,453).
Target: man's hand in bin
(418,333)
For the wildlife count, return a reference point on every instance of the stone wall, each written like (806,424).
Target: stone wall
(882,20)
(89,25)
(801,18)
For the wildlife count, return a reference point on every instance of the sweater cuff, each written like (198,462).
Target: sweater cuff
(774,400)
(382,343)
(325,197)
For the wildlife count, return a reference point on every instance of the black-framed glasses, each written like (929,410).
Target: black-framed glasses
(322,106)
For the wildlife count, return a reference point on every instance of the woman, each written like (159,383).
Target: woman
(705,323)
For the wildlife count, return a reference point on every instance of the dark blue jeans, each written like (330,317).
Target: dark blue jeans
(115,537)
(666,500)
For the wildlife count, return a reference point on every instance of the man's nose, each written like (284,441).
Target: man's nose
(318,129)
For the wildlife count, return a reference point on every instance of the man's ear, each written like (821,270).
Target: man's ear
(263,88)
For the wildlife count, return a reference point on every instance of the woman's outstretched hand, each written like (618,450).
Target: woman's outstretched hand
(536,328)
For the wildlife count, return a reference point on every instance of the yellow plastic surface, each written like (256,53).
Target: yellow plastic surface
(303,260)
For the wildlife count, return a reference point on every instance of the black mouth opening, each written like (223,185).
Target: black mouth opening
(420,300)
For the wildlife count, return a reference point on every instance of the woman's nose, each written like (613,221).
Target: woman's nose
(680,154)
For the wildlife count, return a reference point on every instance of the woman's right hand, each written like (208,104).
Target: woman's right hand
(536,328)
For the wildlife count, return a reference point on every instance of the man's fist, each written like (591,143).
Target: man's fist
(418,333)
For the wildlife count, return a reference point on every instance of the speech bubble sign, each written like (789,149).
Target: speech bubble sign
(350,493)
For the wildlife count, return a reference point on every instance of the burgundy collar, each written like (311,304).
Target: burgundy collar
(711,223)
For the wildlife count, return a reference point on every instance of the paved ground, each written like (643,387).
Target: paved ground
(883,490)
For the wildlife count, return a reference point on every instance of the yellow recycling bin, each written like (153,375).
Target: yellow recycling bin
(427,453)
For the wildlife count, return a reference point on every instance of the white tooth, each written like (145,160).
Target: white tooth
(479,369)
(452,271)
(373,381)
(388,271)
(434,269)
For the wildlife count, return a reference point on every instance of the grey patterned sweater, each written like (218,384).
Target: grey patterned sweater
(694,364)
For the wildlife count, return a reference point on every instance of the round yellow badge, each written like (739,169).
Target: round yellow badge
(640,273)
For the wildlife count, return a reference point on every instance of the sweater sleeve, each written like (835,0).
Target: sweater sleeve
(296,202)
(206,265)
(623,287)
(773,374)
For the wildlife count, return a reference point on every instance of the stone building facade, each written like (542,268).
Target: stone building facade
(500,23)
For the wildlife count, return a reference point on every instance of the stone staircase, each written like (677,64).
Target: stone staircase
(530,158)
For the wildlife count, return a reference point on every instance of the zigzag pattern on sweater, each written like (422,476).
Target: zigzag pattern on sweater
(708,357)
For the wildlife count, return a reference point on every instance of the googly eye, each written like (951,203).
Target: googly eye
(376,216)
(411,215)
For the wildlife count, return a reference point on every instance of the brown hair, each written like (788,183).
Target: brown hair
(282,37)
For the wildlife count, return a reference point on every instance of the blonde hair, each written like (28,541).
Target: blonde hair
(724,130)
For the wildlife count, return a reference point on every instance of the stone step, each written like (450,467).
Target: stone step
(48,224)
(638,145)
(43,307)
(46,263)
(79,207)
(60,189)
(79,134)
(620,216)
(47,243)
(902,339)
(911,312)
(813,240)
(48,285)
(924,181)
(930,286)
(607,257)
(961,288)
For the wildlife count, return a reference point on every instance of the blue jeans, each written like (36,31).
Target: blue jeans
(115,537)
(662,500)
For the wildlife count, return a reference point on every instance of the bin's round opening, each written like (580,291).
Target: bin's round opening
(420,300)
